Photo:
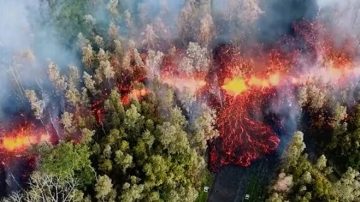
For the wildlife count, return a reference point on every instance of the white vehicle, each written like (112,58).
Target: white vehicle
(206,189)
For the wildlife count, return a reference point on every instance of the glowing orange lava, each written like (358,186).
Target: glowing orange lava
(235,86)
(134,94)
(22,139)
(248,86)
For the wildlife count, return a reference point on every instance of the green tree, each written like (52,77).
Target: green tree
(309,181)
(348,187)
(104,189)
(66,159)
(70,18)
(295,149)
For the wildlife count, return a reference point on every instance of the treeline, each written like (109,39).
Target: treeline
(328,168)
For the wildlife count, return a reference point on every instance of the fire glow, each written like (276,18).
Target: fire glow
(245,134)
(23,139)
(241,86)
(237,85)
(134,94)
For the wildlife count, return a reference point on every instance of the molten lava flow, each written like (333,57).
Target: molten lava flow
(247,87)
(242,138)
(20,140)
(272,80)
(235,86)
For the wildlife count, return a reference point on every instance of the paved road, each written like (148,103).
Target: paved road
(233,183)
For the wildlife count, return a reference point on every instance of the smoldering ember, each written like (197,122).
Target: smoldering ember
(186,100)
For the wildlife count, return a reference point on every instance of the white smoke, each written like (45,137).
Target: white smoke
(343,17)
(27,43)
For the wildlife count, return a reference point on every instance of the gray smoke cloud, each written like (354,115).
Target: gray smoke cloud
(28,39)
(14,37)
(28,42)
(342,17)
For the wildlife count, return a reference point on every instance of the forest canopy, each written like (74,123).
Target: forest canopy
(149,100)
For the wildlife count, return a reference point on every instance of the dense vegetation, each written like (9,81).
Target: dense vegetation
(117,145)
(327,170)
